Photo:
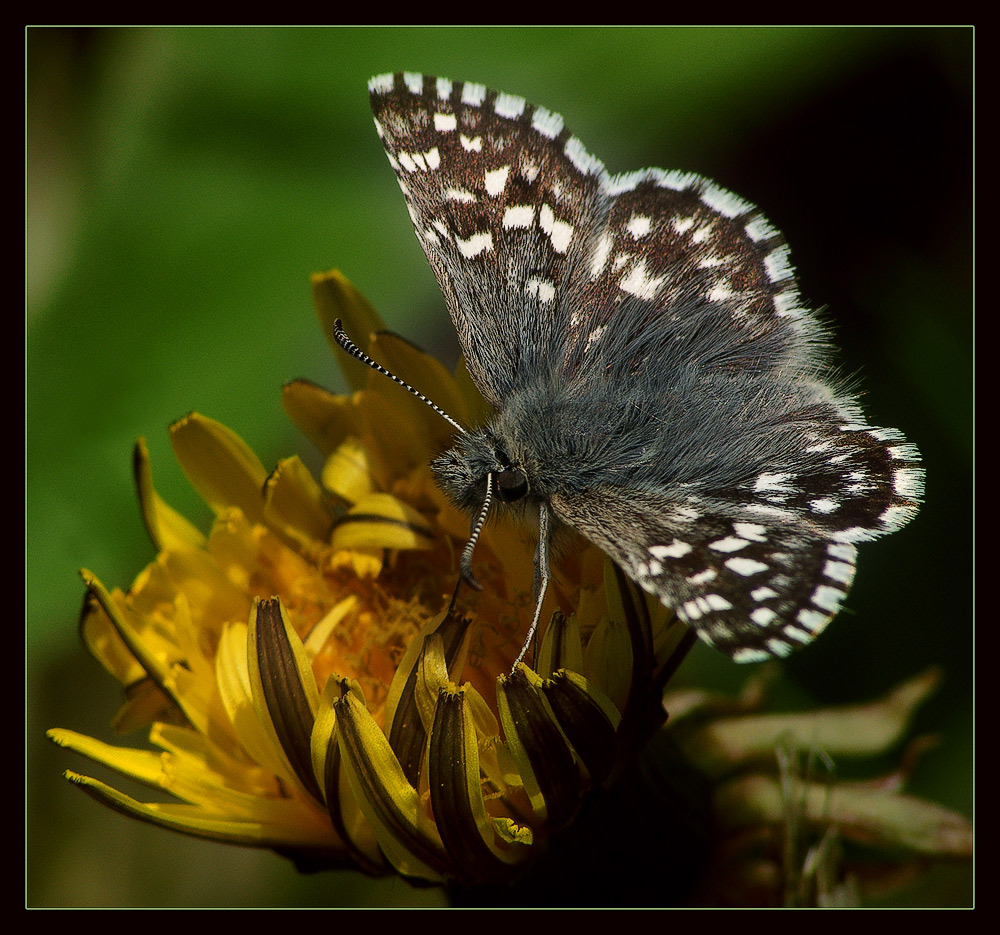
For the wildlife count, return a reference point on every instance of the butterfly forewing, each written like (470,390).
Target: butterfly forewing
(500,211)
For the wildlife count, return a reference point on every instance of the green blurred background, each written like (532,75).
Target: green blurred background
(182,184)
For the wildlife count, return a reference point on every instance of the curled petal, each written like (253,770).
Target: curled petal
(323,417)
(481,853)
(283,686)
(405,833)
(548,769)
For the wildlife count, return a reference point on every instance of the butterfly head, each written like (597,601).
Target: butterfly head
(478,468)
(474,473)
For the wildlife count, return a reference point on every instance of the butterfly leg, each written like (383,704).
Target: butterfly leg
(541,583)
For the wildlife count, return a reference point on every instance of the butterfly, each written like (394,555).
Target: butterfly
(658,384)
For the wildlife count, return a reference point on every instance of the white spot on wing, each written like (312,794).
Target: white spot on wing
(827,598)
(843,551)
(473,94)
(639,283)
(676,549)
(823,505)
(475,245)
(767,481)
(560,233)
(509,105)
(445,123)
(728,544)
(839,571)
(812,620)
(702,233)
(794,633)
(601,255)
(639,226)
(496,180)
(745,566)
(779,647)
(594,337)
(762,616)
(547,123)
(542,289)
(520,216)
(718,602)
(471,144)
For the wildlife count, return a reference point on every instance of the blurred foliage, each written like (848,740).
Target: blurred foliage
(183,183)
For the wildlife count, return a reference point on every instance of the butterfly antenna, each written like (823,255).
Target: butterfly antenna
(465,562)
(351,348)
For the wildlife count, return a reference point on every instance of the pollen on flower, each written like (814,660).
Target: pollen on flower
(368,643)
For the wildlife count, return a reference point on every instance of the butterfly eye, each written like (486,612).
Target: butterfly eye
(511,485)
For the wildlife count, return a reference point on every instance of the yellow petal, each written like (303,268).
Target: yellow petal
(405,727)
(325,418)
(294,504)
(551,777)
(283,687)
(255,735)
(220,466)
(457,795)
(380,520)
(166,527)
(350,471)
(608,660)
(588,720)
(392,806)
(104,642)
(159,658)
(402,440)
(347,817)
(425,374)
(336,297)
(285,825)
(562,646)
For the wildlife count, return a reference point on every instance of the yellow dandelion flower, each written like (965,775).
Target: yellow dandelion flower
(309,685)
(302,676)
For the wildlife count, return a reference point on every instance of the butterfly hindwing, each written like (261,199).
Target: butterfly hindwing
(752,589)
